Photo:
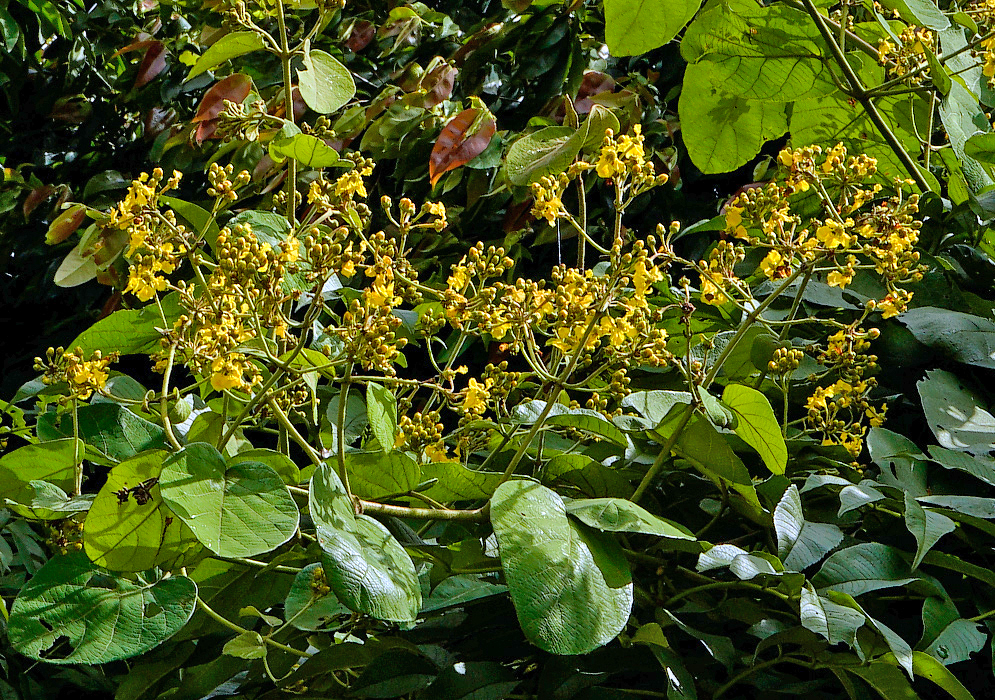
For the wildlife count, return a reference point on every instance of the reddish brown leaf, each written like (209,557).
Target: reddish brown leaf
(594,83)
(140,44)
(362,34)
(204,131)
(71,110)
(439,83)
(65,224)
(477,40)
(456,147)
(158,120)
(234,88)
(36,197)
(152,64)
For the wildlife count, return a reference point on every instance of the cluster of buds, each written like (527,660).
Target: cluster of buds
(84,376)
(785,361)
(222,186)
(419,432)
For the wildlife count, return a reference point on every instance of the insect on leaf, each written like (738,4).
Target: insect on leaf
(463,139)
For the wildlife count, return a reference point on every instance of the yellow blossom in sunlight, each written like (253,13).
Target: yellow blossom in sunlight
(349,184)
(437,453)
(775,266)
(381,293)
(734,221)
(477,394)
(225,374)
(840,278)
(643,278)
(833,234)
(143,282)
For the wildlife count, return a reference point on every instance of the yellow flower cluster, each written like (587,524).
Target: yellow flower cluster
(859,232)
(84,376)
(243,300)
(909,55)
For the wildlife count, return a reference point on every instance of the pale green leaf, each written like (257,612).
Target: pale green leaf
(633,27)
(224,49)
(757,425)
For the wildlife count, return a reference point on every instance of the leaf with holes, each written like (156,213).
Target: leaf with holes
(71,612)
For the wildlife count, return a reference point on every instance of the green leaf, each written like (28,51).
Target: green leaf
(365,566)
(134,534)
(71,612)
(473,680)
(239,510)
(110,428)
(570,585)
(759,53)
(937,73)
(306,149)
(955,413)
(277,461)
(979,467)
(701,445)
(45,501)
(633,27)
(248,645)
(974,506)
(981,147)
(757,425)
(381,411)
(899,647)
(224,49)
(355,419)
(963,117)
(396,673)
(924,12)
(801,543)
(926,526)
(887,680)
(620,515)
(53,462)
(458,483)
(962,337)
(459,590)
(78,267)
(129,331)
(863,568)
(551,150)
(373,475)
(325,84)
(926,666)
(198,217)
(723,131)
(583,419)
(834,118)
(835,622)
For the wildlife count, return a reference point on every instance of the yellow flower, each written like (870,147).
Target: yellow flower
(734,221)
(477,395)
(381,293)
(775,266)
(840,278)
(609,165)
(833,234)
(226,373)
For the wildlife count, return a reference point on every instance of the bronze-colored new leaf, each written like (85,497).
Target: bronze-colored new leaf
(456,144)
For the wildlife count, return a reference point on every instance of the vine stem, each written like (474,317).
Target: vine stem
(859,93)
(664,454)
(242,630)
(746,673)
(77,452)
(340,430)
(163,403)
(288,100)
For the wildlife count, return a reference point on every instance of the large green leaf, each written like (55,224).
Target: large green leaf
(963,117)
(835,118)
(304,148)
(837,623)
(863,568)
(237,510)
(962,337)
(889,682)
(365,566)
(571,586)
(458,483)
(53,462)
(757,425)
(71,612)
(633,27)
(45,501)
(955,413)
(926,526)
(583,419)
(110,428)
(620,515)
(924,12)
(374,475)
(325,84)
(702,445)
(224,49)
(724,131)
(129,331)
(759,53)
(980,467)
(129,530)
(801,543)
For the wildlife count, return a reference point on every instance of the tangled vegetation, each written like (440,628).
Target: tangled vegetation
(531,349)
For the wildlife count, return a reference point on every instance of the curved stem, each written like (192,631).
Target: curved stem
(288,100)
(242,630)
